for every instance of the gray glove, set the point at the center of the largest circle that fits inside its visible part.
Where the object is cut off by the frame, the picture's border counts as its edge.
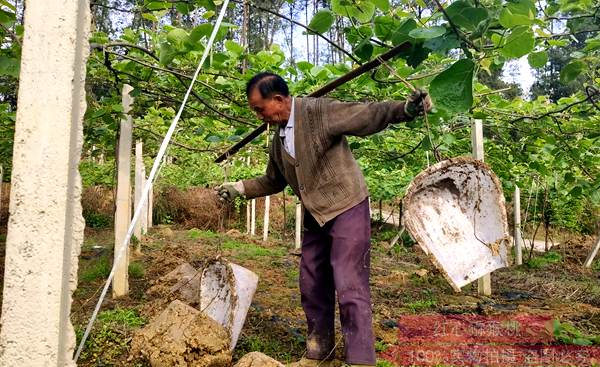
(417, 103)
(230, 190)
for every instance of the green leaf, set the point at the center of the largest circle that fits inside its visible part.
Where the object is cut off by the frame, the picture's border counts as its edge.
(427, 33)
(519, 43)
(360, 10)
(518, 13)
(150, 17)
(364, 49)
(234, 47)
(177, 36)
(9, 66)
(385, 26)
(465, 15)
(537, 59)
(166, 53)
(322, 21)
(383, 5)
(443, 44)
(401, 34)
(7, 19)
(452, 89)
(184, 8)
(571, 71)
(158, 5)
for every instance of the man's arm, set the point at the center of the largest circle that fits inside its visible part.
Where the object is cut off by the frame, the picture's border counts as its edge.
(270, 183)
(362, 119)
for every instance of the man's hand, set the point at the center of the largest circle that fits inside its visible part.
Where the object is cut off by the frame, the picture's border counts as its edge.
(417, 103)
(230, 190)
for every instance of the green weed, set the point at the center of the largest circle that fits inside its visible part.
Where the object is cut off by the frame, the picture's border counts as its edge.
(568, 334)
(122, 317)
(549, 257)
(97, 269)
(380, 346)
(421, 305)
(250, 250)
(136, 270)
(271, 347)
(195, 233)
(291, 276)
(97, 220)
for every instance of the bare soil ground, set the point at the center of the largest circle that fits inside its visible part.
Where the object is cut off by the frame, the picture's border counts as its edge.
(403, 282)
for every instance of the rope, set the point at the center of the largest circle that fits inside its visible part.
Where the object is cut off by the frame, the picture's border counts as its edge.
(146, 189)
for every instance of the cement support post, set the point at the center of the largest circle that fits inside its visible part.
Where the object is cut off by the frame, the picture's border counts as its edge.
(484, 284)
(266, 218)
(298, 225)
(150, 205)
(120, 283)
(592, 255)
(253, 219)
(45, 228)
(517, 231)
(144, 217)
(137, 229)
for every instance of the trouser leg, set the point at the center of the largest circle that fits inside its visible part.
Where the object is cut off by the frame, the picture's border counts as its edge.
(350, 260)
(317, 291)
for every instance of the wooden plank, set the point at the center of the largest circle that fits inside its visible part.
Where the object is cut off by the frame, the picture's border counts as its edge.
(517, 222)
(120, 283)
(590, 259)
(321, 92)
(484, 284)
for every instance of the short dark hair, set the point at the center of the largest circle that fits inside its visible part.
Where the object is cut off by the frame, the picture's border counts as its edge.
(267, 84)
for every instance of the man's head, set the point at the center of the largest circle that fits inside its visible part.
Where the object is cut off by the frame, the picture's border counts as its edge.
(269, 96)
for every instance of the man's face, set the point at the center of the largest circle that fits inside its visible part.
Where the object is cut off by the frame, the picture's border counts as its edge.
(273, 110)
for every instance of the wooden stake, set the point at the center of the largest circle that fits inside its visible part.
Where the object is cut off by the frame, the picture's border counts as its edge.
(1, 178)
(517, 231)
(120, 283)
(266, 218)
(298, 226)
(484, 284)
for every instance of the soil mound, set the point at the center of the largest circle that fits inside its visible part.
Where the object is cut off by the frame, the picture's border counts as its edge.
(183, 336)
(257, 359)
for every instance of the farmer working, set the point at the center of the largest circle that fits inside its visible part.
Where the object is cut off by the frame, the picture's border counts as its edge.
(310, 153)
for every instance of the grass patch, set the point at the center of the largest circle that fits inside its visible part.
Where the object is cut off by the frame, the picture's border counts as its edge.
(195, 233)
(291, 276)
(110, 339)
(271, 347)
(569, 334)
(250, 250)
(421, 305)
(136, 270)
(546, 259)
(97, 269)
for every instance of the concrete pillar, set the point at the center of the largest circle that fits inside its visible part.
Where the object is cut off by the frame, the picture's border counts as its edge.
(517, 231)
(266, 218)
(253, 219)
(139, 181)
(45, 229)
(120, 283)
(150, 205)
(298, 225)
(144, 218)
(484, 284)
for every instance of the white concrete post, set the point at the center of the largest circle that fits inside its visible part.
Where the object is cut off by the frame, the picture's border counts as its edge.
(150, 205)
(139, 181)
(592, 255)
(120, 283)
(266, 218)
(484, 284)
(45, 228)
(517, 232)
(144, 217)
(248, 218)
(253, 219)
(298, 225)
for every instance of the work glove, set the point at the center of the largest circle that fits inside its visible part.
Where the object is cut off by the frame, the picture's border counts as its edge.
(417, 103)
(230, 190)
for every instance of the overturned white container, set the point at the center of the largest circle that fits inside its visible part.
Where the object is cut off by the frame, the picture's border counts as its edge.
(226, 291)
(455, 211)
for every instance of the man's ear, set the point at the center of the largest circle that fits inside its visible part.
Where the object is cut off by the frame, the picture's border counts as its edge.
(278, 98)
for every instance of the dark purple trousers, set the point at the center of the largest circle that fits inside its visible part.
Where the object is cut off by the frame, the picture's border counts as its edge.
(336, 258)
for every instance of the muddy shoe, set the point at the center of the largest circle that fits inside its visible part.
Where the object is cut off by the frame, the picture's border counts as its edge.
(305, 362)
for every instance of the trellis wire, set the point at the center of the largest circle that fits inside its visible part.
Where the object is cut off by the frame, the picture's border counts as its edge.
(146, 189)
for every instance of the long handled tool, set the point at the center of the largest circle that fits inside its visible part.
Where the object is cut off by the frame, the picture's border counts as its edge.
(321, 92)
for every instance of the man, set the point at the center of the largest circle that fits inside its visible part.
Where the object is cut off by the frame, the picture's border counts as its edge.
(310, 153)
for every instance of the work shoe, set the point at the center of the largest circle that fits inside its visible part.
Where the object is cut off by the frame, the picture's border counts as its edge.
(306, 362)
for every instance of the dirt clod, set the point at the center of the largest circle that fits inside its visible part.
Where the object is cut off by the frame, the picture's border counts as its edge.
(183, 336)
(257, 359)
